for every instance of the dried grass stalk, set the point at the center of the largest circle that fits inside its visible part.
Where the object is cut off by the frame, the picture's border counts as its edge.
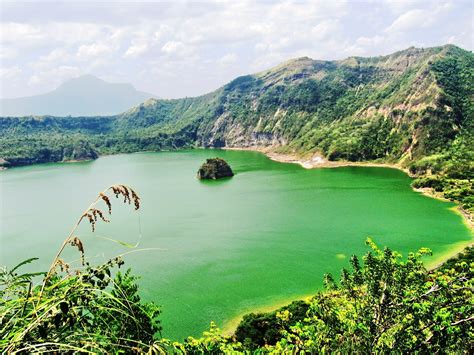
(93, 215)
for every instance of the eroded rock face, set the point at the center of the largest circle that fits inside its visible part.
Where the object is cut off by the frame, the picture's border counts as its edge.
(215, 168)
(81, 151)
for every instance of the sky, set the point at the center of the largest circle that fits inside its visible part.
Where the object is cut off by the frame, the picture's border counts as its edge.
(188, 48)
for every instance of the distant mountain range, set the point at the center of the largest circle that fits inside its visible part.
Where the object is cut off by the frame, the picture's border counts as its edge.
(83, 96)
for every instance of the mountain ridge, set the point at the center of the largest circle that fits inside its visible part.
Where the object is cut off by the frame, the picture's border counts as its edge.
(413, 108)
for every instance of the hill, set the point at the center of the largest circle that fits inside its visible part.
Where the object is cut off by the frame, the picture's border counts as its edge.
(83, 96)
(413, 108)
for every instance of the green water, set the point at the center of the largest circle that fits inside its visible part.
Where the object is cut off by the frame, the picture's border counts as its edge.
(212, 250)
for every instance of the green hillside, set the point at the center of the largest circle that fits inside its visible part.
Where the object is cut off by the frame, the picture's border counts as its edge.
(413, 108)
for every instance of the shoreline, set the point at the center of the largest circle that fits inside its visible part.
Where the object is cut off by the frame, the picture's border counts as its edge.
(316, 161)
(313, 161)
(70, 161)
(229, 327)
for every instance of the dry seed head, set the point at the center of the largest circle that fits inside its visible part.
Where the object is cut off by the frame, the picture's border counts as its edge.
(125, 193)
(136, 199)
(92, 214)
(63, 266)
(102, 217)
(116, 191)
(98, 213)
(106, 200)
(128, 195)
(92, 221)
(75, 241)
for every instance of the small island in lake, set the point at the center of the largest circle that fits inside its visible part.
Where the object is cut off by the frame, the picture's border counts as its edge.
(215, 168)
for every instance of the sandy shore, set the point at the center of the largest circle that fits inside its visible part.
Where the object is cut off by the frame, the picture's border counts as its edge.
(313, 161)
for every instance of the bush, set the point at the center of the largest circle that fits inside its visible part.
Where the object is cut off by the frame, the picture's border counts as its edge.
(82, 310)
(428, 182)
(259, 329)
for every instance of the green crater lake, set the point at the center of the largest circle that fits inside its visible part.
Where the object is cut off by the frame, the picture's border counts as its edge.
(212, 250)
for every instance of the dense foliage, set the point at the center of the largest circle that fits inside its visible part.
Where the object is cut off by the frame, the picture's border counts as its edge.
(89, 311)
(385, 304)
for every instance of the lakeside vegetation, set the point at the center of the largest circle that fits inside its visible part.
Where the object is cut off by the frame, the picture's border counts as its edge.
(413, 108)
(384, 302)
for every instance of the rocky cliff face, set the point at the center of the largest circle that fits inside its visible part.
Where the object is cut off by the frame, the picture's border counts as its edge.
(79, 151)
(392, 107)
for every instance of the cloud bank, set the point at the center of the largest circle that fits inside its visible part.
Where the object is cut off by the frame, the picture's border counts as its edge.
(177, 49)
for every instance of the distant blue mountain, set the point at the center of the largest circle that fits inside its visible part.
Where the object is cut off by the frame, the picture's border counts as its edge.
(83, 96)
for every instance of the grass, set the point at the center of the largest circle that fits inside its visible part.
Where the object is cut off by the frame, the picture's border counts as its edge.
(83, 309)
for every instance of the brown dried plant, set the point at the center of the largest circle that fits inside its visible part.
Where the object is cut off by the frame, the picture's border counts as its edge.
(93, 215)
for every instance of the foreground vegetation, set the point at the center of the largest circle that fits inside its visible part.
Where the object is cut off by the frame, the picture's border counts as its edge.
(383, 303)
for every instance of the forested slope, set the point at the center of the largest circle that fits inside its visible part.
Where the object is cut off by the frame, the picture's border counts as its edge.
(413, 108)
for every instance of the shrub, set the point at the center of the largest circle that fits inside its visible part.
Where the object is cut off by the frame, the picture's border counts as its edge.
(86, 309)
(429, 182)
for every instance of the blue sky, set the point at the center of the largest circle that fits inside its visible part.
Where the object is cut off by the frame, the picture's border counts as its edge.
(177, 48)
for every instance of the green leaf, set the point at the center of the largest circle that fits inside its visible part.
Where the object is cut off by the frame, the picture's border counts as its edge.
(24, 262)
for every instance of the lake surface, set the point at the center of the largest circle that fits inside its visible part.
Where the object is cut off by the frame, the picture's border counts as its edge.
(216, 249)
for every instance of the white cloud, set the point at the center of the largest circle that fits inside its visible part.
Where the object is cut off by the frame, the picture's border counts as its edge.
(136, 49)
(7, 52)
(227, 59)
(55, 55)
(93, 50)
(162, 32)
(70, 33)
(409, 20)
(11, 32)
(188, 48)
(420, 18)
(10, 73)
(177, 49)
(52, 78)
(140, 41)
(52, 59)
(400, 6)
(370, 41)
(325, 29)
